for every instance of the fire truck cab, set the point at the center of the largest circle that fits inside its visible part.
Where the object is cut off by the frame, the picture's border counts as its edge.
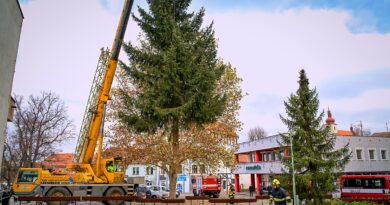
(209, 185)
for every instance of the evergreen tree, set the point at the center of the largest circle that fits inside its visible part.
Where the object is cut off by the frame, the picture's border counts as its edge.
(316, 162)
(175, 72)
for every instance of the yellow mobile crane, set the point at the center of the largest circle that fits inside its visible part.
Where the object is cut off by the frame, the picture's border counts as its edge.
(85, 178)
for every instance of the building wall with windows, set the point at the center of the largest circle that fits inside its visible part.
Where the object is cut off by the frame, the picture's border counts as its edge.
(153, 175)
(259, 160)
(369, 154)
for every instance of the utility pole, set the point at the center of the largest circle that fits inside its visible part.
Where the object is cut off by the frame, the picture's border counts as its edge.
(295, 197)
(387, 127)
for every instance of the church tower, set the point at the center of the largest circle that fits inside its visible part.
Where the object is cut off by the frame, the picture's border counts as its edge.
(331, 122)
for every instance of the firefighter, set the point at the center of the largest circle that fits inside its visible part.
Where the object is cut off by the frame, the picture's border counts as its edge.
(231, 194)
(278, 194)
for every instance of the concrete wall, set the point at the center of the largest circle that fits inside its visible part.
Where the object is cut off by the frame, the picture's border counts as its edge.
(11, 19)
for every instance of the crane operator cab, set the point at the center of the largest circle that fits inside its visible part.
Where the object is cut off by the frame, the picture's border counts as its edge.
(113, 169)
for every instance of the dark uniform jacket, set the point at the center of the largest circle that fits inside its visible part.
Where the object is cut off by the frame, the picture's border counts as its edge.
(279, 196)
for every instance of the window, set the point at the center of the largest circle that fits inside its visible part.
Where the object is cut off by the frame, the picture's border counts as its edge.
(384, 154)
(252, 157)
(365, 183)
(162, 172)
(264, 156)
(202, 169)
(149, 171)
(359, 154)
(273, 157)
(135, 170)
(281, 153)
(27, 176)
(194, 169)
(372, 154)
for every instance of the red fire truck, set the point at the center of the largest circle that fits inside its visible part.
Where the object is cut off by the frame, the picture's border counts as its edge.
(365, 186)
(209, 185)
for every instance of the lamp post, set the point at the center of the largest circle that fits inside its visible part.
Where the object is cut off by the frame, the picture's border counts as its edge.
(295, 197)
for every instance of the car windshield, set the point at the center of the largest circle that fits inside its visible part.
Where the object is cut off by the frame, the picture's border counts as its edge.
(142, 189)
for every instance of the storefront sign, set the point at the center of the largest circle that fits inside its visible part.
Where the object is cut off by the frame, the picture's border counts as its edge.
(181, 178)
(254, 167)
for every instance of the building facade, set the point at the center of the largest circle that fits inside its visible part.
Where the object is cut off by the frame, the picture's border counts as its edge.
(258, 160)
(11, 18)
(189, 170)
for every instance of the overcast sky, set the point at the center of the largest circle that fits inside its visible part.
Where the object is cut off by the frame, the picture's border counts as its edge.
(344, 47)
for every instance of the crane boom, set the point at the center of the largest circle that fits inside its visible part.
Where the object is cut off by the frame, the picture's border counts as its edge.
(86, 145)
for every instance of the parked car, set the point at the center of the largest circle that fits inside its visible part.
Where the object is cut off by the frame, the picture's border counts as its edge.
(158, 192)
(177, 192)
(143, 192)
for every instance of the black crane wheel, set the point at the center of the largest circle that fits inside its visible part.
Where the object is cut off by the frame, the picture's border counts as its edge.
(58, 192)
(114, 191)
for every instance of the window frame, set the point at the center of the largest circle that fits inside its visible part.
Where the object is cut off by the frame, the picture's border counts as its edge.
(369, 154)
(362, 153)
(135, 171)
(386, 154)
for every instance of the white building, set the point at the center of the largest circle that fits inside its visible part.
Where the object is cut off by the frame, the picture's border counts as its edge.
(257, 160)
(153, 175)
(11, 19)
(156, 176)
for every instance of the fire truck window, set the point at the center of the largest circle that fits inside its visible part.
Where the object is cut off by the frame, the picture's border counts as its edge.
(366, 183)
(378, 183)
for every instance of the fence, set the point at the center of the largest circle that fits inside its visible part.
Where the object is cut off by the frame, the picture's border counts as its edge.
(189, 200)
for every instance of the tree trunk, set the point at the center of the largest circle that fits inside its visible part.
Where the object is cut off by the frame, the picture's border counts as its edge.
(172, 183)
(174, 164)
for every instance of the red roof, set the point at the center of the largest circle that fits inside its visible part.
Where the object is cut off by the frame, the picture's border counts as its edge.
(344, 133)
(58, 161)
(381, 134)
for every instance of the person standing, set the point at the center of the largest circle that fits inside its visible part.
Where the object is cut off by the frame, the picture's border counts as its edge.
(251, 190)
(279, 195)
(231, 194)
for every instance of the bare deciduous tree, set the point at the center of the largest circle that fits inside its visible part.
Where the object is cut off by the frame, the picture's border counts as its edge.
(256, 133)
(39, 127)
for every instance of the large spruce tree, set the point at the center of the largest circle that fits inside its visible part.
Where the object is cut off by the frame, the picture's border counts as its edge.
(316, 162)
(175, 71)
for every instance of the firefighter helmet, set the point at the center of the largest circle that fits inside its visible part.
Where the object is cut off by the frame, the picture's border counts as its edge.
(275, 182)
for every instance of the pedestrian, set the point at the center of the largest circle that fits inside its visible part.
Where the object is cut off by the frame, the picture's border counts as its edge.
(269, 189)
(231, 194)
(278, 194)
(251, 190)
